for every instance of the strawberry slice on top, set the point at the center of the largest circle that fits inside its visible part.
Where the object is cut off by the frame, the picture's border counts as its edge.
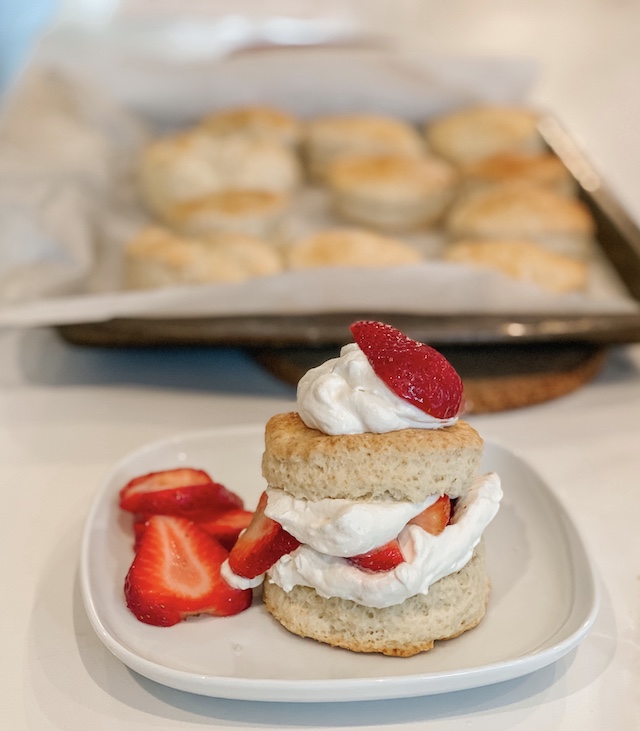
(176, 573)
(261, 544)
(414, 371)
(184, 491)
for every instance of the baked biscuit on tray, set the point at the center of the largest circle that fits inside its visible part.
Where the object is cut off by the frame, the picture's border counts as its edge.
(193, 164)
(254, 212)
(263, 121)
(476, 132)
(326, 139)
(543, 169)
(391, 192)
(524, 211)
(157, 257)
(523, 260)
(349, 247)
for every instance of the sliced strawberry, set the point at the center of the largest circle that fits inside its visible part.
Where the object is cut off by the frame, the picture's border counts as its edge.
(184, 491)
(140, 524)
(436, 517)
(383, 558)
(412, 370)
(176, 573)
(261, 545)
(227, 527)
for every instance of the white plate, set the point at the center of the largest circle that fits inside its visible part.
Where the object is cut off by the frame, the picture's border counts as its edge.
(543, 600)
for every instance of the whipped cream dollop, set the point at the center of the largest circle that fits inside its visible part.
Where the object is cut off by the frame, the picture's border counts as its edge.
(345, 396)
(428, 558)
(342, 527)
(239, 582)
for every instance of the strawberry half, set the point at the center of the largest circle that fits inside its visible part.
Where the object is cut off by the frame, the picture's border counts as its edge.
(227, 527)
(261, 545)
(186, 492)
(383, 558)
(436, 517)
(412, 370)
(176, 573)
(140, 524)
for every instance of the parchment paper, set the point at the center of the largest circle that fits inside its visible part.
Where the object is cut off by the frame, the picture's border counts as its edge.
(68, 141)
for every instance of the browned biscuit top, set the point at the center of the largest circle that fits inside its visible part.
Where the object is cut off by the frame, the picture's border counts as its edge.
(408, 464)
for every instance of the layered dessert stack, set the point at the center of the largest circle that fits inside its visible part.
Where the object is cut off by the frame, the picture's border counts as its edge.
(369, 535)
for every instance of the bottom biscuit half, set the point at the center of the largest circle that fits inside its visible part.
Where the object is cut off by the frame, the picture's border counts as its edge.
(453, 605)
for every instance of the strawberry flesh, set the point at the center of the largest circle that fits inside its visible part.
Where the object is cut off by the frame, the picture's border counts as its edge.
(227, 527)
(436, 517)
(414, 371)
(140, 524)
(383, 558)
(176, 573)
(185, 492)
(261, 544)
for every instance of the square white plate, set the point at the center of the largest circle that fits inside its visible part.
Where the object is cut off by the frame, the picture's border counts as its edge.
(543, 599)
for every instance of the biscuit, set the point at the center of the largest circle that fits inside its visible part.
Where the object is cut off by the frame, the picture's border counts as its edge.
(157, 257)
(523, 260)
(254, 212)
(543, 169)
(473, 133)
(452, 606)
(350, 247)
(192, 164)
(326, 139)
(409, 464)
(391, 192)
(524, 211)
(255, 121)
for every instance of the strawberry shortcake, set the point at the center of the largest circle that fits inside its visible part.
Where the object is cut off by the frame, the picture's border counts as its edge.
(369, 534)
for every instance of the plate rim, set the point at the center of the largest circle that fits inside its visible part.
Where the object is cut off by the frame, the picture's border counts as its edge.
(342, 689)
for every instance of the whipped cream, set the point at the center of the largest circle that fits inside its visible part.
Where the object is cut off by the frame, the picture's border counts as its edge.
(345, 396)
(342, 527)
(428, 558)
(239, 582)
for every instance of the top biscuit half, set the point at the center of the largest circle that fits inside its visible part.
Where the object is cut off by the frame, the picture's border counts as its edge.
(409, 464)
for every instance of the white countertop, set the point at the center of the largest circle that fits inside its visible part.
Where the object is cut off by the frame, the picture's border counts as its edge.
(69, 413)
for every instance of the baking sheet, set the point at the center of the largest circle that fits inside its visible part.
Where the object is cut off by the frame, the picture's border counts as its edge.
(62, 266)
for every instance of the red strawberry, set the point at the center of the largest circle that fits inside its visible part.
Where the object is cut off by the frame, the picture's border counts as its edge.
(227, 527)
(140, 524)
(184, 491)
(176, 573)
(261, 545)
(412, 370)
(383, 558)
(436, 517)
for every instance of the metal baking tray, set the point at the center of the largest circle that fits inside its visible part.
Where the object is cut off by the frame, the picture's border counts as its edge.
(617, 235)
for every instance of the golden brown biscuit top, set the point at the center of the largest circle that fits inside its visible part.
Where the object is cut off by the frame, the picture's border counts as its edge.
(254, 119)
(350, 247)
(480, 131)
(523, 260)
(545, 169)
(408, 464)
(230, 202)
(359, 128)
(390, 171)
(523, 207)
